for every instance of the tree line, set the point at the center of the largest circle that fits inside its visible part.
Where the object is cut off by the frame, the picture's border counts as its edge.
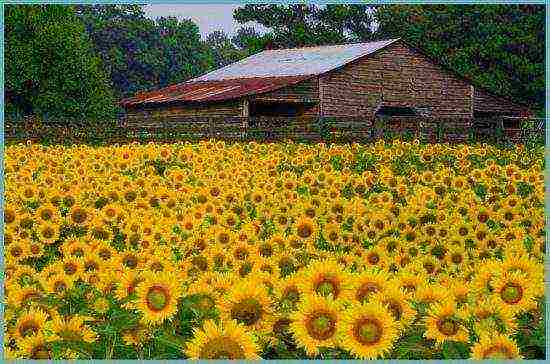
(78, 61)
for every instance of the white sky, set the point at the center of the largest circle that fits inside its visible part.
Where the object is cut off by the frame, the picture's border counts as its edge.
(209, 17)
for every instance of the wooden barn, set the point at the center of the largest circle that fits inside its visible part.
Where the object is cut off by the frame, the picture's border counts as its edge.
(383, 78)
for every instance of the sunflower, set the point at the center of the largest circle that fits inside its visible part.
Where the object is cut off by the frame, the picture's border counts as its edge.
(305, 227)
(47, 213)
(227, 340)
(36, 347)
(325, 277)
(249, 304)
(128, 281)
(410, 281)
(495, 346)
(136, 335)
(110, 212)
(491, 316)
(456, 257)
(288, 292)
(332, 233)
(375, 257)
(157, 297)
(429, 293)
(73, 267)
(57, 284)
(286, 262)
(444, 322)
(398, 303)
(315, 323)
(514, 291)
(368, 282)
(72, 329)
(79, 215)
(30, 323)
(367, 330)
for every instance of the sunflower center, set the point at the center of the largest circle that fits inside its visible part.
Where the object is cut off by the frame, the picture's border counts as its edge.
(321, 325)
(200, 262)
(247, 311)
(511, 293)
(91, 266)
(130, 261)
(448, 326)
(327, 286)
(395, 309)
(497, 352)
(79, 216)
(365, 289)
(367, 331)
(60, 286)
(223, 238)
(291, 294)
(28, 328)
(456, 258)
(40, 352)
(157, 267)
(373, 258)
(281, 326)
(9, 216)
(482, 217)
(157, 298)
(70, 268)
(304, 230)
(266, 250)
(222, 347)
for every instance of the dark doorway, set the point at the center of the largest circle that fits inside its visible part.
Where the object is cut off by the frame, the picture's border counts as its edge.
(395, 111)
(275, 109)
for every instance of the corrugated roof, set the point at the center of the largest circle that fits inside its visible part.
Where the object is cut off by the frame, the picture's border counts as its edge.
(201, 91)
(262, 72)
(295, 62)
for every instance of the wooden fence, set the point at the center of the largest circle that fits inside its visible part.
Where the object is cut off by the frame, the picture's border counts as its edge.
(313, 129)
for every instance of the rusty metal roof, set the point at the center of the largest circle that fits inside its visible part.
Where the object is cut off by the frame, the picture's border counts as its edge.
(262, 72)
(202, 91)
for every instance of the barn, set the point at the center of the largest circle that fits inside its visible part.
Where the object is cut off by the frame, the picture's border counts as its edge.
(383, 78)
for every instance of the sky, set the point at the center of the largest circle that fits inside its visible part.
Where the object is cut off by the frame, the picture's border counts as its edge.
(209, 17)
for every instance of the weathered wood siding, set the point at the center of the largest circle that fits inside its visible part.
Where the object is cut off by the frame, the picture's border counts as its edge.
(226, 108)
(307, 90)
(485, 102)
(395, 76)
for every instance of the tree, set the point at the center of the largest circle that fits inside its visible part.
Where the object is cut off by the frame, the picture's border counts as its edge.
(223, 50)
(500, 47)
(141, 53)
(51, 70)
(301, 25)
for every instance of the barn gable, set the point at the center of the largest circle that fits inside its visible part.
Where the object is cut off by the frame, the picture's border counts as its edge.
(398, 77)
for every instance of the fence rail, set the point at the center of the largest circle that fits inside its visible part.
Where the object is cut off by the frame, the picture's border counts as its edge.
(316, 129)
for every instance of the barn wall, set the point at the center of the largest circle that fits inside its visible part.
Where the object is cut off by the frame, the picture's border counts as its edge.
(227, 108)
(485, 102)
(397, 76)
(305, 90)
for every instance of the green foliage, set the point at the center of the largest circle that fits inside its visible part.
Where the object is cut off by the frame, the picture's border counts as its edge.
(299, 25)
(51, 70)
(497, 46)
(140, 53)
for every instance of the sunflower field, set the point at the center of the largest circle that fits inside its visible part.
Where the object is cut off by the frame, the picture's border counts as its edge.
(277, 251)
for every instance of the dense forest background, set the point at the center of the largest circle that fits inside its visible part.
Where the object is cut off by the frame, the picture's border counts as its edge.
(78, 61)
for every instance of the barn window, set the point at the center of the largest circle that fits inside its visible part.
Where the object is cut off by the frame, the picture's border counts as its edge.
(395, 111)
